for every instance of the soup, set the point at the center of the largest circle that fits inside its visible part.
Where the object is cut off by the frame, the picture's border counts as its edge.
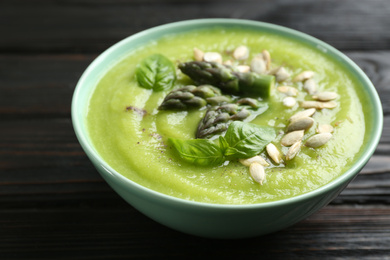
(132, 133)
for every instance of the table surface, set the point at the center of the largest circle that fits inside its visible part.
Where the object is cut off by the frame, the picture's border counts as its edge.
(54, 204)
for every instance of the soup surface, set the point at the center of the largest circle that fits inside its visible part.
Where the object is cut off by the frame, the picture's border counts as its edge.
(131, 133)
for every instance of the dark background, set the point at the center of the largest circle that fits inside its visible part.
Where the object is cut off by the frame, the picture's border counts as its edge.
(54, 205)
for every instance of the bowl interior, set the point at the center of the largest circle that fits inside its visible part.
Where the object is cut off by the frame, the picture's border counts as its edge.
(90, 78)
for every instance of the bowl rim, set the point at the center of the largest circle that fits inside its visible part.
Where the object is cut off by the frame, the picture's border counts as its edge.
(348, 175)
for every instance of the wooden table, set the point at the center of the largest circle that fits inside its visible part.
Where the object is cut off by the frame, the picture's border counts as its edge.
(54, 204)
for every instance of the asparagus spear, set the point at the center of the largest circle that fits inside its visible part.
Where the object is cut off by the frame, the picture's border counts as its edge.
(222, 109)
(227, 79)
(191, 96)
(218, 118)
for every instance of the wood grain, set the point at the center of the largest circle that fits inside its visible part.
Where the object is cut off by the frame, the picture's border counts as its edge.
(55, 205)
(39, 85)
(108, 233)
(90, 25)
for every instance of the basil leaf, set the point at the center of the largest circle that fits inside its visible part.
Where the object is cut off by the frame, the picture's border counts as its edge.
(156, 72)
(247, 140)
(223, 144)
(198, 151)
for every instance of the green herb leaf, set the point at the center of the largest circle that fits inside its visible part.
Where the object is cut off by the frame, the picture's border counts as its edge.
(242, 140)
(247, 140)
(156, 72)
(223, 144)
(198, 151)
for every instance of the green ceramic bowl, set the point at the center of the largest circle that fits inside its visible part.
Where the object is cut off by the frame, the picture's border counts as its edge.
(215, 220)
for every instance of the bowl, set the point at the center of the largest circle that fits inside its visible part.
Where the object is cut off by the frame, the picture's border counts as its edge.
(218, 220)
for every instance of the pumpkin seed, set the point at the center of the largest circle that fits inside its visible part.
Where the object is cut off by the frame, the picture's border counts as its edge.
(228, 63)
(257, 159)
(280, 73)
(243, 68)
(329, 104)
(318, 140)
(302, 123)
(289, 101)
(324, 128)
(274, 153)
(258, 64)
(212, 57)
(257, 172)
(267, 58)
(310, 86)
(289, 91)
(292, 137)
(325, 96)
(198, 54)
(304, 75)
(305, 113)
(318, 104)
(241, 53)
(293, 151)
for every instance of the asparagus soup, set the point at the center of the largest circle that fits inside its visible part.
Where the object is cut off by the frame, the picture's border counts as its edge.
(228, 116)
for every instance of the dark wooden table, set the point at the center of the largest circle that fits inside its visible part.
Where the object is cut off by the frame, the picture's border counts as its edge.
(54, 205)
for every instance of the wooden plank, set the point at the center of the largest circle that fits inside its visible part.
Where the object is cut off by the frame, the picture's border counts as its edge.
(344, 231)
(39, 85)
(52, 160)
(90, 26)
(376, 64)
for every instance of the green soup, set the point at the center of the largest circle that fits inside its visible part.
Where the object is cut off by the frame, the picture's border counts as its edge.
(131, 134)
